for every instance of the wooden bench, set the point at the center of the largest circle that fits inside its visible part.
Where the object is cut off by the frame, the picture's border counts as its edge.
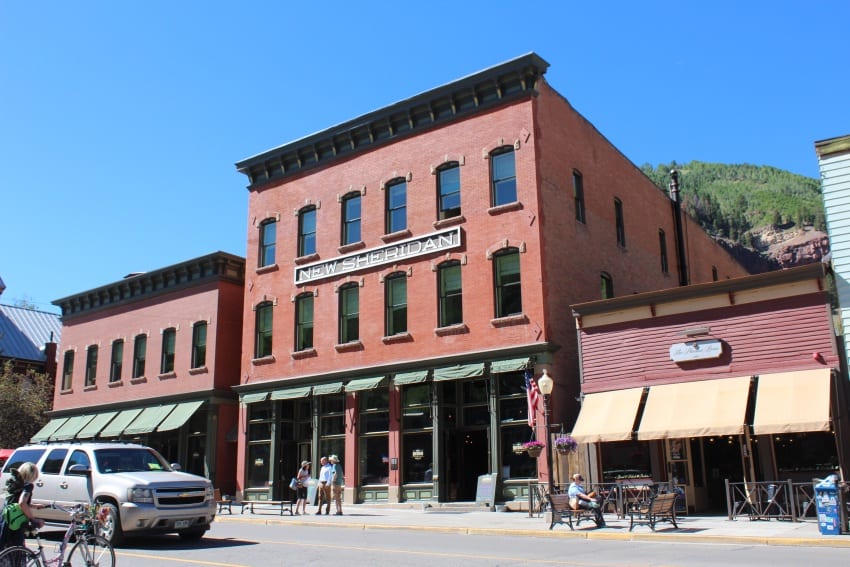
(260, 505)
(661, 508)
(559, 504)
(224, 504)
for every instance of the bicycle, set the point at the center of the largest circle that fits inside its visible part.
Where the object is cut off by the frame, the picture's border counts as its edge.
(89, 550)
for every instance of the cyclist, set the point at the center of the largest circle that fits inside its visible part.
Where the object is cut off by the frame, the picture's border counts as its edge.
(19, 507)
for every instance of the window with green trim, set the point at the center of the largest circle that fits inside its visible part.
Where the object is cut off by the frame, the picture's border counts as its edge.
(503, 176)
(450, 294)
(140, 347)
(307, 231)
(116, 364)
(448, 190)
(506, 277)
(395, 286)
(91, 365)
(304, 322)
(169, 340)
(349, 313)
(263, 329)
(199, 344)
(351, 219)
(68, 370)
(268, 241)
(396, 195)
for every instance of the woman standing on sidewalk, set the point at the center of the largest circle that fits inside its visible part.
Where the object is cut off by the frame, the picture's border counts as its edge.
(301, 480)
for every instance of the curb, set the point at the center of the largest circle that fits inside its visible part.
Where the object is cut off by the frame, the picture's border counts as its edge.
(560, 534)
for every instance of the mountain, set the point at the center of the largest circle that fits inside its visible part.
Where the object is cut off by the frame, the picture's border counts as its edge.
(767, 217)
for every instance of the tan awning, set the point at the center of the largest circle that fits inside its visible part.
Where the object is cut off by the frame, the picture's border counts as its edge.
(792, 402)
(607, 416)
(695, 409)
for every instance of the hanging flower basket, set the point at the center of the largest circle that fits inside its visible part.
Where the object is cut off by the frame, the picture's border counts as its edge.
(566, 445)
(534, 448)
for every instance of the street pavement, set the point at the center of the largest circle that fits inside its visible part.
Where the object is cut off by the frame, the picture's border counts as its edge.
(482, 521)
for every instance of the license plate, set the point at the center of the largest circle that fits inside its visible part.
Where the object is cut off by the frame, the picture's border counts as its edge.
(180, 524)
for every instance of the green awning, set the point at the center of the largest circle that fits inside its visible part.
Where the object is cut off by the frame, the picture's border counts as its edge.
(365, 384)
(254, 397)
(148, 419)
(291, 393)
(414, 377)
(49, 429)
(122, 420)
(510, 365)
(97, 423)
(324, 389)
(180, 415)
(71, 427)
(459, 371)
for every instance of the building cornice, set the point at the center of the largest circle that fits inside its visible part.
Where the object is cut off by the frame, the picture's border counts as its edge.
(498, 85)
(138, 287)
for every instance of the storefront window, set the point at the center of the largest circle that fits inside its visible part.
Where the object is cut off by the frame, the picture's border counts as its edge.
(803, 456)
(259, 445)
(417, 457)
(625, 460)
(418, 462)
(331, 427)
(513, 420)
(374, 442)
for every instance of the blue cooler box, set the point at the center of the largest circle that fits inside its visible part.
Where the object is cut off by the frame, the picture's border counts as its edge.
(827, 502)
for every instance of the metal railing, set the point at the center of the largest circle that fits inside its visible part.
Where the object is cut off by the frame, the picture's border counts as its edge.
(614, 497)
(765, 500)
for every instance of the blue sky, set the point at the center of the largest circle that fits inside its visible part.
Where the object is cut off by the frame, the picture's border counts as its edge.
(121, 121)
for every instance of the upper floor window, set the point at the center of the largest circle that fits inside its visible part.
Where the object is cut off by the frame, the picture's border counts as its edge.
(268, 239)
(91, 365)
(140, 347)
(67, 370)
(349, 313)
(199, 344)
(116, 365)
(169, 340)
(662, 251)
(506, 279)
(351, 219)
(396, 195)
(396, 303)
(714, 276)
(450, 294)
(503, 176)
(578, 196)
(618, 219)
(263, 330)
(448, 189)
(304, 322)
(607, 285)
(307, 231)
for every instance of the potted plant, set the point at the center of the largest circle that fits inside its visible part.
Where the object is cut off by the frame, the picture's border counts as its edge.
(534, 448)
(565, 445)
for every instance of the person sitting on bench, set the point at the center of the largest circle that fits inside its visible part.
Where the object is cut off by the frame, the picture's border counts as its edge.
(579, 498)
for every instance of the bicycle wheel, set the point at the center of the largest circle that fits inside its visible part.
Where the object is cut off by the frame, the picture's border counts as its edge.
(93, 551)
(19, 557)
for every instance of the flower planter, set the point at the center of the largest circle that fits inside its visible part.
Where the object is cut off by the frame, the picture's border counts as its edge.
(534, 452)
(562, 450)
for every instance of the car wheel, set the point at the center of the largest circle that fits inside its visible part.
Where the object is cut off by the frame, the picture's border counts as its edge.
(110, 524)
(193, 534)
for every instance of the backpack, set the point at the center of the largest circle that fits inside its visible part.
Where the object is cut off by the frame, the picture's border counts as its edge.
(14, 517)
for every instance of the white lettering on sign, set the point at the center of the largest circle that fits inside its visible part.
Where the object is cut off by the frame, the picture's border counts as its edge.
(696, 350)
(410, 248)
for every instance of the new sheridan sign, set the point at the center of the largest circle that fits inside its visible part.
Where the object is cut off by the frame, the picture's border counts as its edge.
(405, 249)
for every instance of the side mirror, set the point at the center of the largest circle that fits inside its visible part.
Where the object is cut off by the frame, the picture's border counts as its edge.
(175, 466)
(79, 470)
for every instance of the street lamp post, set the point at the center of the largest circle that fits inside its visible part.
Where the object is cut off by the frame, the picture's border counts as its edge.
(545, 383)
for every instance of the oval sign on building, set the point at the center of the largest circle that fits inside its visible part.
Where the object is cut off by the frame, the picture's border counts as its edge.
(696, 350)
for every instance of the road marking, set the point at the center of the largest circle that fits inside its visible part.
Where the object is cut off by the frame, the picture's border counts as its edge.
(175, 560)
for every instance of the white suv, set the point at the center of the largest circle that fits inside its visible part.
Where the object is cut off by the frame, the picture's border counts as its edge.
(139, 491)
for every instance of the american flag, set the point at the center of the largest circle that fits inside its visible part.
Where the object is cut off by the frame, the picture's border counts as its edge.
(533, 393)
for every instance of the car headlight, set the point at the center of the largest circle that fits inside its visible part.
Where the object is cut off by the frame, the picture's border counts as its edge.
(143, 495)
(210, 493)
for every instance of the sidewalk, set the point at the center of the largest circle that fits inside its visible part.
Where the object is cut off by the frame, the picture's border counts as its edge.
(699, 529)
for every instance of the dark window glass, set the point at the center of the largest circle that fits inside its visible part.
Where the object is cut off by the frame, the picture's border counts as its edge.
(351, 219)
(307, 232)
(91, 365)
(506, 278)
(607, 285)
(503, 176)
(621, 227)
(140, 347)
(349, 313)
(513, 419)
(714, 276)
(662, 250)
(396, 206)
(448, 187)
(264, 329)
(68, 370)
(117, 360)
(374, 460)
(199, 344)
(268, 238)
(396, 301)
(578, 196)
(304, 322)
(169, 338)
(450, 294)
(418, 463)
(53, 462)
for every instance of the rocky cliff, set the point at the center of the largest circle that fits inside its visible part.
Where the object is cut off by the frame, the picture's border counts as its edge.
(775, 248)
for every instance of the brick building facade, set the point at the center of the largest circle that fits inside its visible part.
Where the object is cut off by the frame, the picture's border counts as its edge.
(406, 269)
